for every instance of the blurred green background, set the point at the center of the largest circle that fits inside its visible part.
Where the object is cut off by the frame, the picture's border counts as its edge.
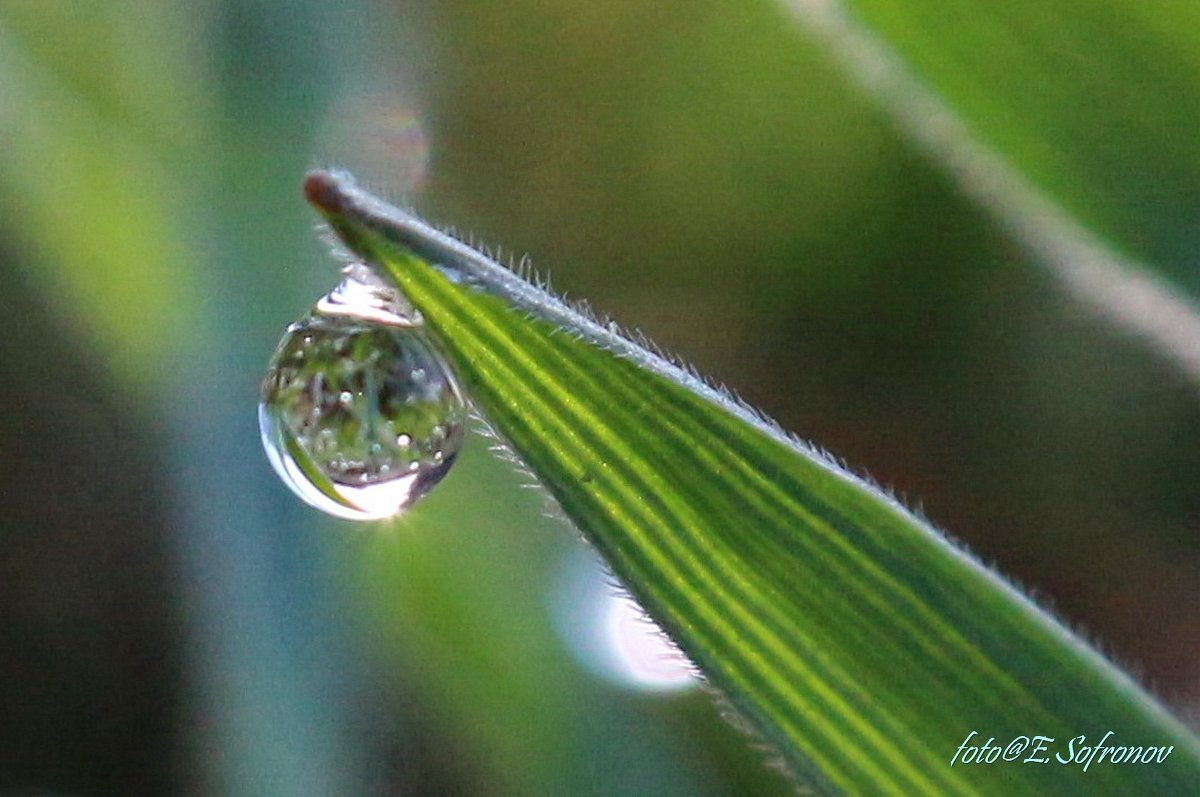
(172, 620)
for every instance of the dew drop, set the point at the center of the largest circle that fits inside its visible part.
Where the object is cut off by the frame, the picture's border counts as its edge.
(342, 380)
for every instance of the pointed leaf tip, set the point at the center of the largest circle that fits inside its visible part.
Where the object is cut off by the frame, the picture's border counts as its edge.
(323, 190)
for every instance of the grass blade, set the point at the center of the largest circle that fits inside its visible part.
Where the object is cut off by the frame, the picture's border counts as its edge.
(856, 640)
(1042, 113)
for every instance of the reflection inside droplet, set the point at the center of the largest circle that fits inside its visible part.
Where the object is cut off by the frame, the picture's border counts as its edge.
(339, 386)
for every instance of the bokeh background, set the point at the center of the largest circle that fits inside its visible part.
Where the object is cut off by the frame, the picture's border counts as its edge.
(173, 621)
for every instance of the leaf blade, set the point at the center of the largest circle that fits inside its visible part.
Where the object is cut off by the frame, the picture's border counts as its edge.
(1089, 101)
(859, 642)
(1068, 150)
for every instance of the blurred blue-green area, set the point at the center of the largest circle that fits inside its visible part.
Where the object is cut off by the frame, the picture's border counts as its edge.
(173, 621)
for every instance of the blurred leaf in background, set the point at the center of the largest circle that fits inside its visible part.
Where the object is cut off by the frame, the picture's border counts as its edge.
(171, 619)
(1092, 103)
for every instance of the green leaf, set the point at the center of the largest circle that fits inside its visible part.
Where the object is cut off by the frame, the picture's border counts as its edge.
(1093, 102)
(1072, 122)
(91, 144)
(856, 640)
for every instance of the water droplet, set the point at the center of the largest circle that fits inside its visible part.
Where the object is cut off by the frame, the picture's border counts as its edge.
(341, 382)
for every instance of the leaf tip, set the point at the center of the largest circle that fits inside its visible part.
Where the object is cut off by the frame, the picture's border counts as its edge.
(325, 190)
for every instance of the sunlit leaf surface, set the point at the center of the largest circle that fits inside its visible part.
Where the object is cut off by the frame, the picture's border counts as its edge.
(856, 640)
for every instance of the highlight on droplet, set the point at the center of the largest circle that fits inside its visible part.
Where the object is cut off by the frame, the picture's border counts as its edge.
(609, 634)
